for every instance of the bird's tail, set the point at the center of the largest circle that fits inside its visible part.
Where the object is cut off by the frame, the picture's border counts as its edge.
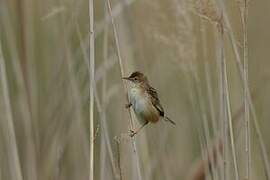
(169, 120)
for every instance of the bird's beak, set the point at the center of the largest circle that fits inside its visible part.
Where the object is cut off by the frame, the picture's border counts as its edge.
(127, 78)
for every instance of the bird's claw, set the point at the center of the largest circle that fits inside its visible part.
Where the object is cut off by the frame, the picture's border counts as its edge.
(132, 133)
(128, 105)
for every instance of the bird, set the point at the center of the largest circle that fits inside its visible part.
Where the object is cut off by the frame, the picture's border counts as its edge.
(144, 100)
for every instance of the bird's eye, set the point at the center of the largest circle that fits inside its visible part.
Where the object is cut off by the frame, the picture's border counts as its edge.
(135, 79)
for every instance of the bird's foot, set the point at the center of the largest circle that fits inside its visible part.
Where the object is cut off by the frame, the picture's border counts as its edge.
(132, 133)
(128, 105)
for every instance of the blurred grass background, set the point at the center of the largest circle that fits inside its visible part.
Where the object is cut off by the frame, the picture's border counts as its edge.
(44, 90)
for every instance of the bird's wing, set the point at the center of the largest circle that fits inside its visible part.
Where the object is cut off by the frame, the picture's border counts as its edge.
(155, 100)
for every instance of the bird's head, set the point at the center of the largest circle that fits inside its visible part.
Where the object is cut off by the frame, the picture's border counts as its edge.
(137, 78)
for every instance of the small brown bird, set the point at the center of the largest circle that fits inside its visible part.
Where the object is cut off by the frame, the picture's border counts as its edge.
(144, 100)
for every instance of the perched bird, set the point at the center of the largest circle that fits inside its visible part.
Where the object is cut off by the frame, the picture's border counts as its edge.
(144, 100)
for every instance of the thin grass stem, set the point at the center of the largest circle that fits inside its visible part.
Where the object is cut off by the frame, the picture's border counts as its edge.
(245, 71)
(131, 123)
(92, 79)
(251, 105)
(230, 123)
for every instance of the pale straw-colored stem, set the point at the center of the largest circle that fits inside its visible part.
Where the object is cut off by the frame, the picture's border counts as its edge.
(91, 79)
(136, 157)
(250, 103)
(230, 123)
(246, 112)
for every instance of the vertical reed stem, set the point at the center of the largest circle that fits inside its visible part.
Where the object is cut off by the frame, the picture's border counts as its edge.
(247, 119)
(91, 79)
(230, 124)
(136, 157)
(250, 103)
(222, 98)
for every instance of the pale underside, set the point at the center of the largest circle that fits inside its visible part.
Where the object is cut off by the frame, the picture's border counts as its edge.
(142, 106)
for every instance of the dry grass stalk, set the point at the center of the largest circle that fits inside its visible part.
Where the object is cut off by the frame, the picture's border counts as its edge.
(222, 97)
(209, 12)
(210, 96)
(200, 170)
(227, 104)
(234, 44)
(118, 146)
(92, 82)
(244, 18)
(136, 157)
(100, 106)
(231, 125)
(116, 11)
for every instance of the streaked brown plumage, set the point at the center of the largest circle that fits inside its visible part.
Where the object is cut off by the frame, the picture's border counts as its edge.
(144, 100)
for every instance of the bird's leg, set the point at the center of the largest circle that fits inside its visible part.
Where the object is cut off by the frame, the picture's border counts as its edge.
(128, 105)
(134, 132)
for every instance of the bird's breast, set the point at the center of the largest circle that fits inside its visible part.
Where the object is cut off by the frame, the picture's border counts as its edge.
(142, 105)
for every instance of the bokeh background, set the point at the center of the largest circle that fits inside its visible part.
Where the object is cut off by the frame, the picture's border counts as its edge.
(192, 52)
